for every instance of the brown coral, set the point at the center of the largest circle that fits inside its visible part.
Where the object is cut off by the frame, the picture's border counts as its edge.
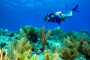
(68, 53)
(29, 32)
(23, 49)
(86, 49)
(70, 49)
(71, 43)
(43, 37)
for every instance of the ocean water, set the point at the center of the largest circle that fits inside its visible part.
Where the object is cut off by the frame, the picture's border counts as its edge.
(14, 13)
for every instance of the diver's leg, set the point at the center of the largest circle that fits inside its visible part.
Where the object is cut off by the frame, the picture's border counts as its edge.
(69, 14)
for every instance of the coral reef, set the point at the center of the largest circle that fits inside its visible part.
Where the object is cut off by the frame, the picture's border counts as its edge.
(49, 56)
(34, 57)
(3, 32)
(22, 50)
(62, 35)
(3, 55)
(67, 53)
(10, 34)
(74, 45)
(69, 49)
(53, 48)
(29, 32)
(86, 49)
(4, 41)
(31, 43)
(58, 34)
(85, 31)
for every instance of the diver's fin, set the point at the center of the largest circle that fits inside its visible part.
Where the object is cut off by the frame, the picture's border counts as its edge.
(75, 8)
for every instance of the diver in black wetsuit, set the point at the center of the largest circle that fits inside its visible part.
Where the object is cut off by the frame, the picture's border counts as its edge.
(58, 16)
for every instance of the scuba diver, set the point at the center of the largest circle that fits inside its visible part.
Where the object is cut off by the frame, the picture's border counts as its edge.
(58, 16)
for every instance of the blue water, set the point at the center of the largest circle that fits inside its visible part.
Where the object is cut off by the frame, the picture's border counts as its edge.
(14, 13)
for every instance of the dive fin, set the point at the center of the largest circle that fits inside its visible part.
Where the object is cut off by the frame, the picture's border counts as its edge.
(75, 9)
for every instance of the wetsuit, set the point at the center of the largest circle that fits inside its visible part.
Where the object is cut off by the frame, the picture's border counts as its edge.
(56, 19)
